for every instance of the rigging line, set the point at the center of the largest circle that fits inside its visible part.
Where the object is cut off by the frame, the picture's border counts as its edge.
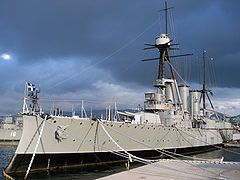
(172, 28)
(107, 57)
(80, 100)
(159, 22)
(209, 74)
(200, 70)
(234, 152)
(84, 138)
(213, 72)
(189, 71)
(129, 154)
(177, 73)
(95, 136)
(184, 137)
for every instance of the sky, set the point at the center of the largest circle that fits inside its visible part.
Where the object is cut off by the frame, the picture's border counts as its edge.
(92, 50)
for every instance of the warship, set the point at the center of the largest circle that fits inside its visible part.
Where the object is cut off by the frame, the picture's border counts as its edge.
(10, 131)
(175, 119)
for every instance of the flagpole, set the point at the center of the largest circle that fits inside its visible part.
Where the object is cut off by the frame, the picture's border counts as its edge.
(24, 107)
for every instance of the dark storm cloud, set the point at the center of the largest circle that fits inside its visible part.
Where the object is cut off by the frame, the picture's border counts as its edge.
(38, 29)
(210, 25)
(38, 32)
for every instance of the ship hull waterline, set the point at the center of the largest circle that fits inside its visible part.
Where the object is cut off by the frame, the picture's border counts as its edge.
(46, 163)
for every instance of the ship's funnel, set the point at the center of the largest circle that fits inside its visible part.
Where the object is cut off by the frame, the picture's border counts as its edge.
(169, 92)
(195, 103)
(184, 93)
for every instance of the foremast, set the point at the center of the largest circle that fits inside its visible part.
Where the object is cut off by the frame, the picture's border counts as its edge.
(170, 101)
(167, 95)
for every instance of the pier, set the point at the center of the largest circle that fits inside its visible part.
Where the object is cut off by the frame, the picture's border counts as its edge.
(181, 169)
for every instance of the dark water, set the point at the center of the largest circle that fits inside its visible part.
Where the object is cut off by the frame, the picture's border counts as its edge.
(5, 155)
(7, 152)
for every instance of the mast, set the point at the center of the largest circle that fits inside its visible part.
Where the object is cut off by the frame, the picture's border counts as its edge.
(164, 46)
(166, 16)
(204, 91)
(166, 19)
(204, 82)
(25, 107)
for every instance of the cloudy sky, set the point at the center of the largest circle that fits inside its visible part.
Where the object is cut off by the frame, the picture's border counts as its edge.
(92, 50)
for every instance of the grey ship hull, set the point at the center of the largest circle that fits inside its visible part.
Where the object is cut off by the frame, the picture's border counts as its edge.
(10, 137)
(83, 143)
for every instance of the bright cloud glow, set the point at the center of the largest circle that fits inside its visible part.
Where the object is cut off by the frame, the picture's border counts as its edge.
(5, 56)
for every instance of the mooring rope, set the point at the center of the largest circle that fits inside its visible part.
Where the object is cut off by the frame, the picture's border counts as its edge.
(130, 156)
(35, 150)
(8, 177)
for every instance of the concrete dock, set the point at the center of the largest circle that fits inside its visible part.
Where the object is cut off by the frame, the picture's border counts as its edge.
(181, 169)
(237, 145)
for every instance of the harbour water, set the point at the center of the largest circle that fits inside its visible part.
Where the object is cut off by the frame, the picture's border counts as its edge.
(229, 154)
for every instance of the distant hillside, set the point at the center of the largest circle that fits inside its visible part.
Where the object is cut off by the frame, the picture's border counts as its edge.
(235, 119)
